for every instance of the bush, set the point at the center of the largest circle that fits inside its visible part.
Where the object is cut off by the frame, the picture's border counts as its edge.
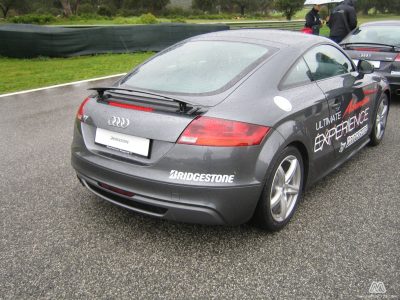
(126, 12)
(104, 11)
(212, 17)
(148, 19)
(175, 12)
(32, 19)
(178, 20)
(48, 11)
(87, 17)
(86, 8)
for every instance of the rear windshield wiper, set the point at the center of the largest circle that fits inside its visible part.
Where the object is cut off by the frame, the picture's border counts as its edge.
(182, 103)
(394, 48)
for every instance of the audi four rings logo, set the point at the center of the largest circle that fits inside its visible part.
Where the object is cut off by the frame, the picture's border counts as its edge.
(118, 122)
(365, 55)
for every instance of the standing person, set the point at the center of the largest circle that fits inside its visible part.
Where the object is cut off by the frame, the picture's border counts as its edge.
(313, 20)
(342, 20)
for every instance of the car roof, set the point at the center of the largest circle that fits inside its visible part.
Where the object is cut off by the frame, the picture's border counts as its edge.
(269, 37)
(382, 23)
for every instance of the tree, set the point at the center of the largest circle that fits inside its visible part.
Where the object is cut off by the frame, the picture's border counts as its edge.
(204, 5)
(365, 5)
(383, 6)
(6, 5)
(289, 7)
(156, 5)
(264, 5)
(226, 5)
(387, 6)
(149, 5)
(117, 3)
(70, 7)
(244, 4)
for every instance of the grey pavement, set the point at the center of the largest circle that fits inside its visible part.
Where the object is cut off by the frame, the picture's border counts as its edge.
(59, 241)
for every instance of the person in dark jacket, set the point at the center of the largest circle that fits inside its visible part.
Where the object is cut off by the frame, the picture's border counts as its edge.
(342, 20)
(313, 20)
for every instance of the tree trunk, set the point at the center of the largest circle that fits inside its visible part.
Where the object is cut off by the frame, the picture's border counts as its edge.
(242, 7)
(4, 9)
(75, 7)
(289, 15)
(66, 5)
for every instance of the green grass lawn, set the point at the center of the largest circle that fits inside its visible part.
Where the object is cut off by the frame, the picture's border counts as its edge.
(24, 74)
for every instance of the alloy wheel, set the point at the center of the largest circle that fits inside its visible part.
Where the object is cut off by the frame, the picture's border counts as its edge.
(285, 188)
(381, 119)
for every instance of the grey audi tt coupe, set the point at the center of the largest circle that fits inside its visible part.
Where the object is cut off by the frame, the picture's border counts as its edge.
(227, 127)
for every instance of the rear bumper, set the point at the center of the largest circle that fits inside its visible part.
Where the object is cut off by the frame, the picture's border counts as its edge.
(231, 205)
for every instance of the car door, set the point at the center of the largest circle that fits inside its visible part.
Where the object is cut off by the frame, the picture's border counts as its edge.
(348, 96)
(312, 107)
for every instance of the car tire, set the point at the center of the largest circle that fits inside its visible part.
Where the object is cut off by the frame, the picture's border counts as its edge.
(380, 120)
(283, 188)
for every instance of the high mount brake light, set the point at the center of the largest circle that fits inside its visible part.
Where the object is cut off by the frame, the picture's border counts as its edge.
(79, 114)
(130, 106)
(368, 49)
(206, 131)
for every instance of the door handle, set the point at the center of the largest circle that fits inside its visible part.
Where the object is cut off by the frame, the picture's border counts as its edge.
(335, 104)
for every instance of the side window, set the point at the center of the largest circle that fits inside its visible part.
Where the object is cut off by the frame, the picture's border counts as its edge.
(297, 75)
(326, 61)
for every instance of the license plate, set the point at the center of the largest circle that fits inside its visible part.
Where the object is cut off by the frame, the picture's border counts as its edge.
(375, 63)
(124, 142)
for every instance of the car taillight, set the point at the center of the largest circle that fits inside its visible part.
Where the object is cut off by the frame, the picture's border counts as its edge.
(79, 114)
(206, 131)
(397, 58)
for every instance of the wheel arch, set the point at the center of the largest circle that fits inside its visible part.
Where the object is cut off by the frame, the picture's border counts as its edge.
(305, 156)
(389, 95)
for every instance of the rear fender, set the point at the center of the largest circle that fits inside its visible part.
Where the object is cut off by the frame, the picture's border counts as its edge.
(280, 138)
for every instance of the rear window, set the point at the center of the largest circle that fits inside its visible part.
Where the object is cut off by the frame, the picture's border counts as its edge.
(198, 67)
(389, 35)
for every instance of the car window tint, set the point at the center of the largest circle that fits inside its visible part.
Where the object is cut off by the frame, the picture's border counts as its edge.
(326, 61)
(297, 75)
(198, 67)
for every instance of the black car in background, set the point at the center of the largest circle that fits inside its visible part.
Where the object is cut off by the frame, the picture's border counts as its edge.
(379, 43)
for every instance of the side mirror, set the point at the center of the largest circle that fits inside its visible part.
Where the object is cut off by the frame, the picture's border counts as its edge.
(364, 67)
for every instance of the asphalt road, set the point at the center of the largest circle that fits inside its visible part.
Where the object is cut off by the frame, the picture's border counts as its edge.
(60, 241)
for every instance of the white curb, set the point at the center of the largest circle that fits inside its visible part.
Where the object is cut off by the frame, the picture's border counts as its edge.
(60, 85)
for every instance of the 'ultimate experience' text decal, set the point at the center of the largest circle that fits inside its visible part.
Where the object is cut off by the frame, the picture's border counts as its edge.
(343, 128)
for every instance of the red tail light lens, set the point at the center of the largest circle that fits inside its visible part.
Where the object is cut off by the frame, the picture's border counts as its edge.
(130, 106)
(397, 58)
(205, 131)
(79, 114)
(367, 49)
